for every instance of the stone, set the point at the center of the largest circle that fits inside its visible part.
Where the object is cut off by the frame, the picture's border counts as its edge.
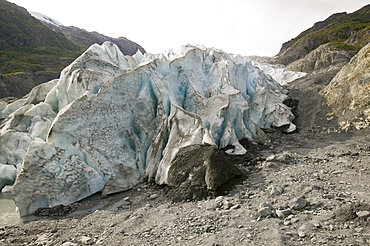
(363, 214)
(69, 244)
(294, 220)
(86, 240)
(318, 225)
(210, 205)
(275, 190)
(283, 213)
(280, 214)
(43, 240)
(204, 168)
(337, 172)
(359, 229)
(127, 199)
(298, 203)
(266, 205)
(301, 234)
(264, 212)
(154, 196)
(237, 206)
(270, 158)
(227, 205)
(219, 199)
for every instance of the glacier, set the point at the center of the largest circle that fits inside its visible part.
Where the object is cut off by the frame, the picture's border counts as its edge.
(278, 72)
(111, 121)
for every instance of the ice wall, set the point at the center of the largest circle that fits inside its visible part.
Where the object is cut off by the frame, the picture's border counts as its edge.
(112, 120)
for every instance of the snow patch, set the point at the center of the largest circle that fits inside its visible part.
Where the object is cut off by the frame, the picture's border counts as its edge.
(279, 73)
(46, 19)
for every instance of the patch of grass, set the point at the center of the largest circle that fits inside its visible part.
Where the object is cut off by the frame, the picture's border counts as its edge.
(335, 33)
(343, 46)
(12, 62)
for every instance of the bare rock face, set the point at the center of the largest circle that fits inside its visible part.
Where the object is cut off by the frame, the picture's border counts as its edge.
(324, 58)
(360, 38)
(350, 88)
(198, 170)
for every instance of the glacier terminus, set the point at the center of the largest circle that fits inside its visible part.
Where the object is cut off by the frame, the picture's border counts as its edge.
(111, 121)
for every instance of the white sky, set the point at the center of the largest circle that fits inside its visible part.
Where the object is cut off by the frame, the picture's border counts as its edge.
(247, 27)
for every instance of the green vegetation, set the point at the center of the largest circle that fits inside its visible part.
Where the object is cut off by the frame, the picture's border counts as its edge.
(337, 33)
(26, 45)
(340, 44)
(33, 59)
(342, 31)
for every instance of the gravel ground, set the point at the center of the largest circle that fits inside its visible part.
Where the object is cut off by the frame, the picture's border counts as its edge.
(306, 188)
(302, 190)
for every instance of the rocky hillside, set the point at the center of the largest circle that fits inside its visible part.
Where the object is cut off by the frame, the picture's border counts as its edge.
(32, 53)
(324, 58)
(349, 91)
(342, 34)
(335, 54)
(82, 37)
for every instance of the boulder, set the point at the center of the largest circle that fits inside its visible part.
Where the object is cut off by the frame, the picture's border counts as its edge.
(198, 171)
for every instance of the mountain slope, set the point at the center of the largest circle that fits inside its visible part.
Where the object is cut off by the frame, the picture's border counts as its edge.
(324, 58)
(348, 32)
(336, 90)
(19, 29)
(86, 39)
(29, 47)
(32, 53)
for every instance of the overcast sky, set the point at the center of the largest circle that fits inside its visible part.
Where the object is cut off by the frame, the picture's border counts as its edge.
(247, 27)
